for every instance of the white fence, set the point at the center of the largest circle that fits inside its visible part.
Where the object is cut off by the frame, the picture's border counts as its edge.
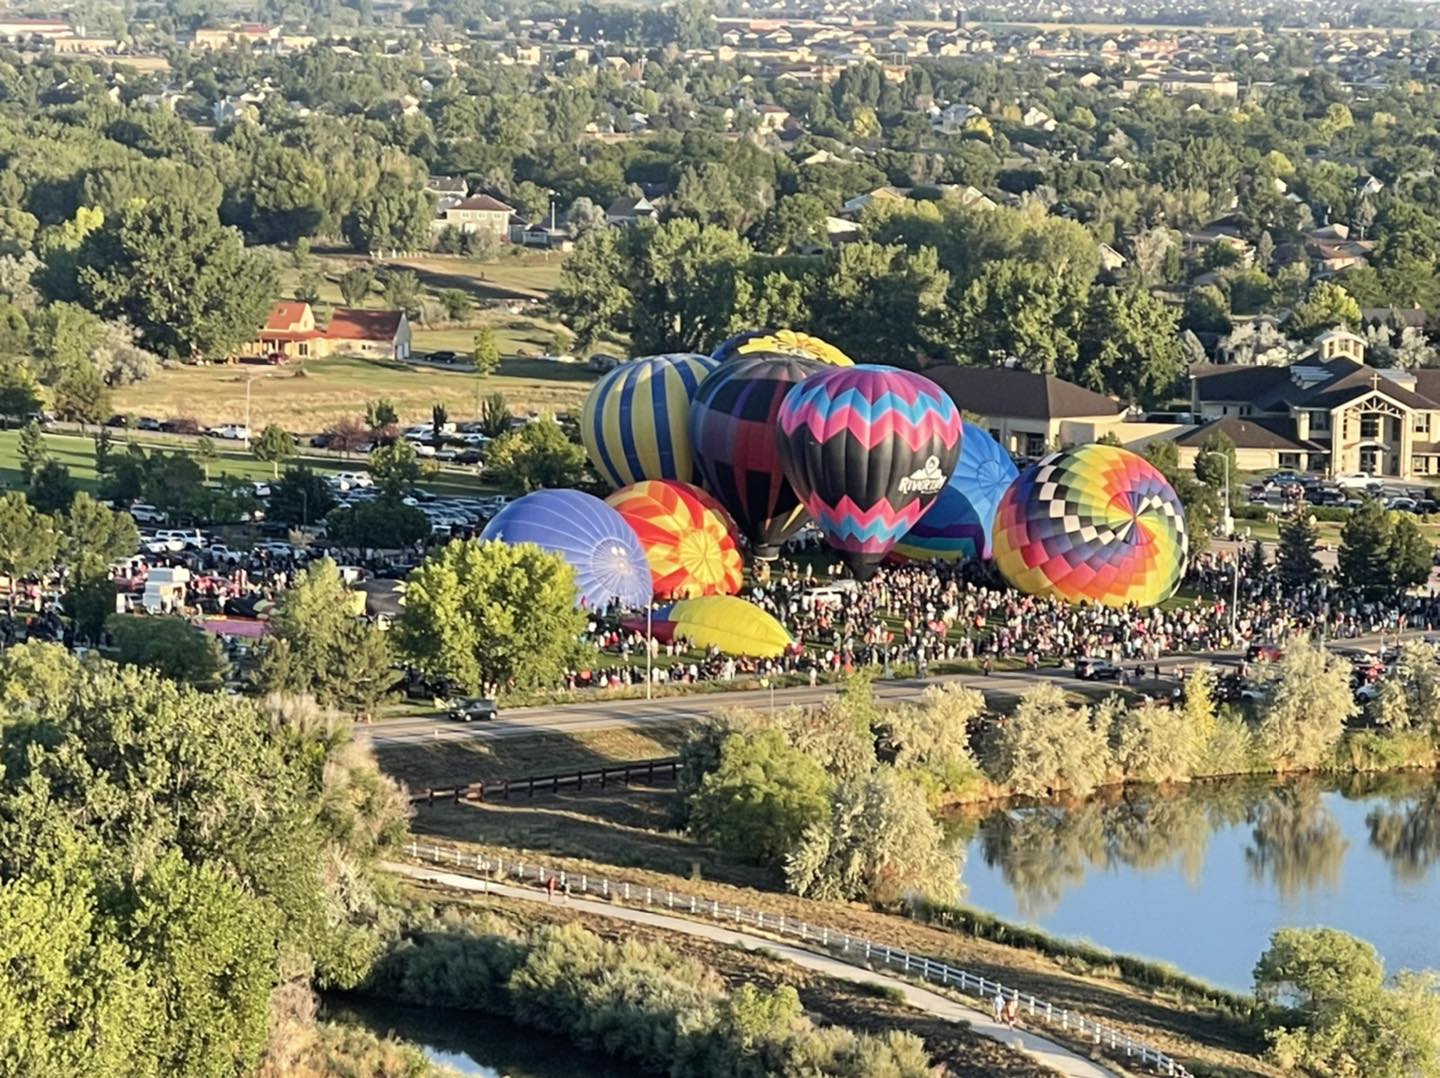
(859, 950)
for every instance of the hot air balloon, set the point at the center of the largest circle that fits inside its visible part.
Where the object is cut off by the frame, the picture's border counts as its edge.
(732, 427)
(781, 342)
(635, 420)
(608, 560)
(688, 538)
(958, 525)
(1096, 523)
(868, 448)
(732, 625)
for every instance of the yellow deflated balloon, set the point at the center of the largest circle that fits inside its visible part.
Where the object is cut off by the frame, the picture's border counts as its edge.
(724, 622)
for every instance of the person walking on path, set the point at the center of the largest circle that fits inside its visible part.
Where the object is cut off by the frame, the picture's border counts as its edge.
(998, 1004)
(550, 889)
(1008, 1013)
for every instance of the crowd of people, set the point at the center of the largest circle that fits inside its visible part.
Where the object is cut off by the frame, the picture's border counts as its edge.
(921, 616)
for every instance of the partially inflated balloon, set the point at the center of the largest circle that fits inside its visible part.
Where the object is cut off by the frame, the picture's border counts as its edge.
(868, 449)
(959, 524)
(688, 538)
(781, 342)
(608, 561)
(731, 625)
(1096, 523)
(635, 420)
(732, 427)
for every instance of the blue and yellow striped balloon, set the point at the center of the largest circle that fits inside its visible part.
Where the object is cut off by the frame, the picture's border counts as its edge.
(635, 424)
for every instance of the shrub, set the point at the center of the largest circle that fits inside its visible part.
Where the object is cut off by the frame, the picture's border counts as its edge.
(1046, 746)
(1307, 704)
(760, 798)
(1155, 743)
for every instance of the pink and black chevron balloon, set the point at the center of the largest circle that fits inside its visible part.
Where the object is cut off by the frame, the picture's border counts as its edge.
(868, 449)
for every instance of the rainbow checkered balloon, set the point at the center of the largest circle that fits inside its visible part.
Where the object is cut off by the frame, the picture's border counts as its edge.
(688, 538)
(1095, 524)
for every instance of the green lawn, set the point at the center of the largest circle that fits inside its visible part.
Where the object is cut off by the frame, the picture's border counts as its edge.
(77, 453)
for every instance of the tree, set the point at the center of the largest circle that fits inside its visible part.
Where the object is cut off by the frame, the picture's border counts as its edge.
(877, 843)
(760, 799)
(299, 497)
(1307, 703)
(1362, 563)
(384, 523)
(1047, 746)
(536, 456)
(1326, 305)
(1207, 310)
(1296, 562)
(1042, 314)
(355, 285)
(1409, 556)
(381, 413)
(51, 488)
(32, 450)
(206, 455)
(81, 396)
(796, 221)
(274, 446)
(439, 417)
(92, 537)
(1128, 346)
(394, 216)
(1215, 462)
(494, 415)
(492, 614)
(20, 393)
(1155, 743)
(584, 217)
(104, 445)
(28, 541)
(402, 291)
(457, 303)
(395, 467)
(318, 646)
(486, 353)
(186, 283)
(169, 645)
(593, 296)
(1333, 1012)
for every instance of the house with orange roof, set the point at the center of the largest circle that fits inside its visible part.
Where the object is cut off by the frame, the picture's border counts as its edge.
(291, 332)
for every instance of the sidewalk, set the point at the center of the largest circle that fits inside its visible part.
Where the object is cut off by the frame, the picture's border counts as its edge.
(1043, 1051)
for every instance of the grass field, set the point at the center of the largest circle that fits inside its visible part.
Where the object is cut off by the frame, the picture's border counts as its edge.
(309, 397)
(77, 452)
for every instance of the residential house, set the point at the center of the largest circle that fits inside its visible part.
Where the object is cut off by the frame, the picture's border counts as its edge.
(1332, 256)
(29, 29)
(291, 332)
(1029, 414)
(629, 211)
(773, 118)
(1216, 85)
(1038, 119)
(446, 190)
(853, 207)
(1329, 413)
(477, 214)
(952, 118)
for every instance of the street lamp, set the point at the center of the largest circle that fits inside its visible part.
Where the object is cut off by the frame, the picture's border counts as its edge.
(649, 648)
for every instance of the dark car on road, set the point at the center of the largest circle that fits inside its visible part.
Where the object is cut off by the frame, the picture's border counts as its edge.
(443, 357)
(472, 709)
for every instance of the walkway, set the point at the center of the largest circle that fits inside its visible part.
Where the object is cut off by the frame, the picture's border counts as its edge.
(1046, 1052)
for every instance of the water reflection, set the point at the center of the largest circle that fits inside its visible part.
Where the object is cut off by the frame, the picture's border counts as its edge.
(1296, 844)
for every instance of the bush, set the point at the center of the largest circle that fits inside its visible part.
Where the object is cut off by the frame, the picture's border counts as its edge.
(1046, 747)
(1308, 701)
(760, 798)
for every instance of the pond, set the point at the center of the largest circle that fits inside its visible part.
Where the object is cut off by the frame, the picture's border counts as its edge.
(1201, 879)
(474, 1044)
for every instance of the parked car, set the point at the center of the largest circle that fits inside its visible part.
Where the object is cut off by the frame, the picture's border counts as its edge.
(188, 538)
(1092, 669)
(1285, 479)
(1269, 653)
(234, 432)
(1403, 505)
(144, 513)
(146, 422)
(350, 480)
(474, 708)
(443, 356)
(1359, 481)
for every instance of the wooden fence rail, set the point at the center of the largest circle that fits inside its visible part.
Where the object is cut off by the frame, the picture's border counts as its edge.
(664, 768)
(1076, 1025)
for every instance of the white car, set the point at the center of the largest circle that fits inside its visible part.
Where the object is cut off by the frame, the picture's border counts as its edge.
(186, 538)
(143, 513)
(219, 552)
(423, 449)
(350, 480)
(1358, 481)
(234, 432)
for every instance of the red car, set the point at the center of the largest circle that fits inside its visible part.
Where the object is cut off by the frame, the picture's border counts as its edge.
(1269, 653)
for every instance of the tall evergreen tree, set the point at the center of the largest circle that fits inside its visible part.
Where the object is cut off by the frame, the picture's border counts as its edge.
(1295, 561)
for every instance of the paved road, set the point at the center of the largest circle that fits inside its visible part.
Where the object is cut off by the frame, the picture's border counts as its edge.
(599, 715)
(1046, 1052)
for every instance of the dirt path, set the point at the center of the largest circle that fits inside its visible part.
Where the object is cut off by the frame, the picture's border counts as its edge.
(1060, 1059)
